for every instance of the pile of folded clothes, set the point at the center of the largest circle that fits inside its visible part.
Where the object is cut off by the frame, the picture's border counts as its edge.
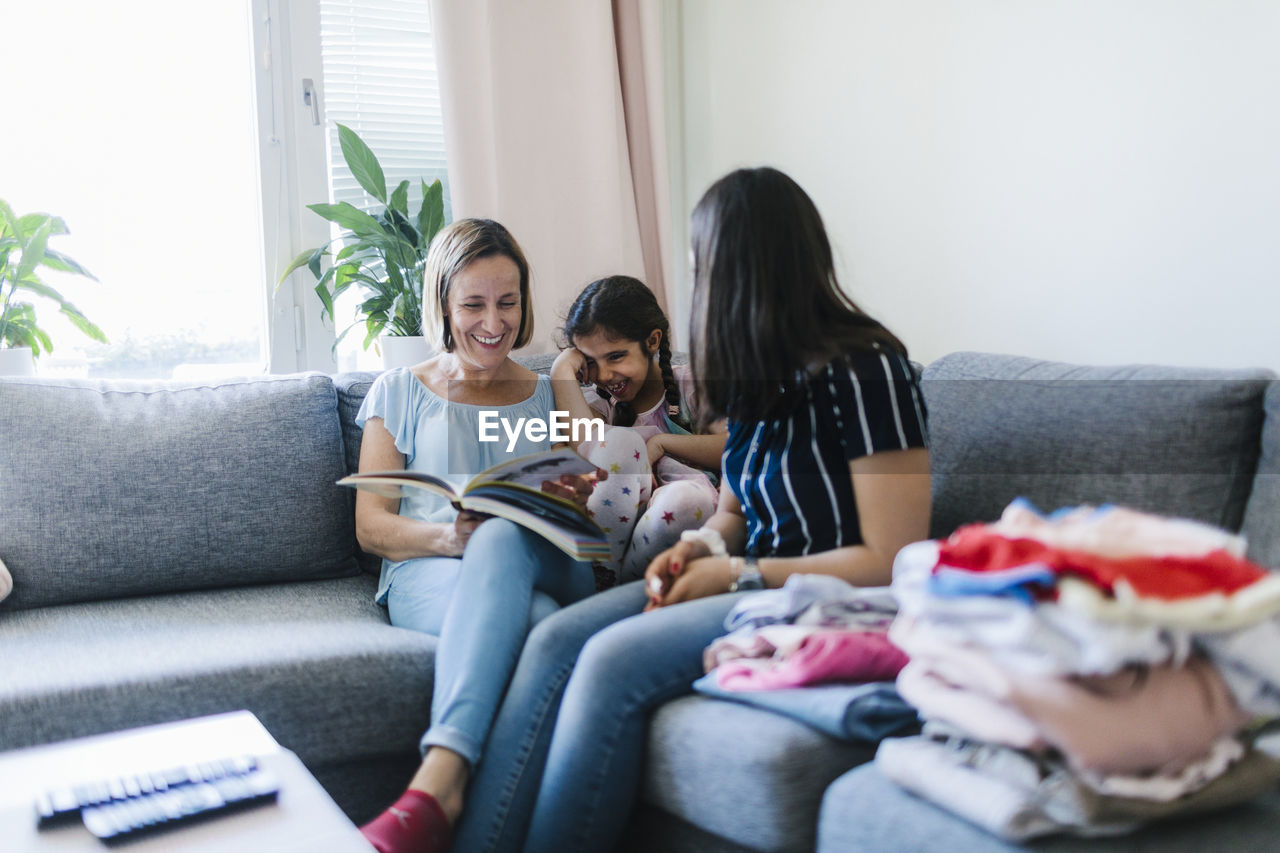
(1086, 672)
(816, 650)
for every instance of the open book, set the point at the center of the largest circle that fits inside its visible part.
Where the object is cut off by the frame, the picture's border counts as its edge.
(511, 490)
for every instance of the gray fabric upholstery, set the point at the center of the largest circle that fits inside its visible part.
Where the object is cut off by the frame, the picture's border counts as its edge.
(1262, 516)
(863, 811)
(364, 788)
(652, 829)
(749, 776)
(316, 661)
(118, 488)
(352, 388)
(1176, 441)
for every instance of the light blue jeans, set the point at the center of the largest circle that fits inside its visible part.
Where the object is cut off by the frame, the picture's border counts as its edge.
(482, 607)
(506, 782)
(580, 796)
(592, 774)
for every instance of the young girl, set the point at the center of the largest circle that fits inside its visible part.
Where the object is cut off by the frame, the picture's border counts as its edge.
(619, 347)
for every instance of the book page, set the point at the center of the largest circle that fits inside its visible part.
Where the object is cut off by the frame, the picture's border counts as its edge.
(392, 484)
(530, 471)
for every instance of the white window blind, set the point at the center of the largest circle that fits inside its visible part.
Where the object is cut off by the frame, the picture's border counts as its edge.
(380, 80)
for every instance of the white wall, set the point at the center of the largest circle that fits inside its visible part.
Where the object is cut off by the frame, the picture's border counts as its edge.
(1088, 180)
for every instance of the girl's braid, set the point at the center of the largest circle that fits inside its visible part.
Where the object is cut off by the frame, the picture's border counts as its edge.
(669, 383)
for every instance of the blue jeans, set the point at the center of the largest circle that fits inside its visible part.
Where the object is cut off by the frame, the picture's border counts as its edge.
(506, 782)
(592, 773)
(482, 607)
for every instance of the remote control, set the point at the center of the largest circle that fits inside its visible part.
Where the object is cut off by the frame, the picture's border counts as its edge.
(64, 805)
(145, 814)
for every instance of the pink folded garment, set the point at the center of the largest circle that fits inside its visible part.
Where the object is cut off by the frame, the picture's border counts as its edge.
(980, 716)
(1152, 720)
(823, 657)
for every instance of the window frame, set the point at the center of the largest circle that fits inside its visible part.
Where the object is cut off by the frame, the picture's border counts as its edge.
(292, 173)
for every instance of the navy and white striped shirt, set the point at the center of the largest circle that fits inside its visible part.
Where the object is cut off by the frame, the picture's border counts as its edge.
(791, 474)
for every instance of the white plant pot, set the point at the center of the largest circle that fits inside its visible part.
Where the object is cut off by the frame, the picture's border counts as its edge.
(404, 351)
(17, 361)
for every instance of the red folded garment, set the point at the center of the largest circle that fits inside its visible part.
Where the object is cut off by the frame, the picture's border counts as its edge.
(972, 548)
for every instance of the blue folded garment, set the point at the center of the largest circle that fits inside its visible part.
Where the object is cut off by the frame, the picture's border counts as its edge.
(1020, 583)
(862, 712)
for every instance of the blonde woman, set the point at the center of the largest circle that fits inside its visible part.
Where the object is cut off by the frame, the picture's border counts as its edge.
(478, 584)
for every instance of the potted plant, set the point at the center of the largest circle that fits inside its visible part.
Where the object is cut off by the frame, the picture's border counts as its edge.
(382, 251)
(24, 248)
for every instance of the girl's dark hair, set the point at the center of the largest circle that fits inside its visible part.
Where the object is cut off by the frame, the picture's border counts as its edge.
(624, 308)
(766, 304)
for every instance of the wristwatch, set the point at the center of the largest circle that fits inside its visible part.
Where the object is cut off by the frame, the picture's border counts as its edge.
(746, 574)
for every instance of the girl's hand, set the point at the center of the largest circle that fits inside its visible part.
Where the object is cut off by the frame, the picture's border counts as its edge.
(463, 526)
(701, 578)
(663, 571)
(655, 448)
(572, 364)
(574, 488)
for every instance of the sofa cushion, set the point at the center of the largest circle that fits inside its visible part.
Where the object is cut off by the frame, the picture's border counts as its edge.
(1181, 442)
(862, 810)
(316, 661)
(352, 388)
(1262, 515)
(124, 488)
(743, 774)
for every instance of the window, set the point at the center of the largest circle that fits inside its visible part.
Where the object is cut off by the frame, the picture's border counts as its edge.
(133, 121)
(375, 65)
(174, 141)
(380, 81)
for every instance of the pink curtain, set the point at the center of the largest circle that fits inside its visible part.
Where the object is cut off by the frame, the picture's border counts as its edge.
(554, 127)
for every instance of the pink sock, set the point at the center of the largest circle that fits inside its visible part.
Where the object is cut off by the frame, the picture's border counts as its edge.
(415, 823)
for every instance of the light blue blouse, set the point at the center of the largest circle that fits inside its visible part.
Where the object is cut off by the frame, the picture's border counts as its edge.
(443, 438)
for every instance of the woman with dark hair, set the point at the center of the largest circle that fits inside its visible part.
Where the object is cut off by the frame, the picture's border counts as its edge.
(663, 475)
(826, 471)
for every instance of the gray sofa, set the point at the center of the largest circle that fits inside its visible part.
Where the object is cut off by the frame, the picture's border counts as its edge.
(180, 550)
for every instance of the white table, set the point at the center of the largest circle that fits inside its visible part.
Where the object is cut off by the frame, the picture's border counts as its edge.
(303, 819)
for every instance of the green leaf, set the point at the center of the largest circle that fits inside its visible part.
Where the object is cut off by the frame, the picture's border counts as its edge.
(345, 274)
(325, 300)
(8, 222)
(431, 216)
(405, 229)
(327, 277)
(29, 223)
(35, 285)
(349, 216)
(33, 251)
(362, 163)
(375, 327)
(58, 261)
(82, 323)
(400, 198)
(349, 250)
(43, 337)
(300, 261)
(313, 262)
(377, 304)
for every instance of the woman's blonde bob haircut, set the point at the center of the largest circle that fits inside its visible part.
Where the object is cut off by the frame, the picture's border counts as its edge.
(453, 248)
